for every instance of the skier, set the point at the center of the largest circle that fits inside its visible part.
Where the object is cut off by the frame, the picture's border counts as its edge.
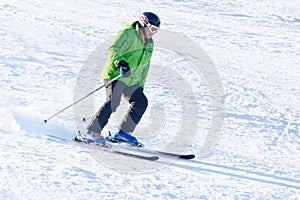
(129, 55)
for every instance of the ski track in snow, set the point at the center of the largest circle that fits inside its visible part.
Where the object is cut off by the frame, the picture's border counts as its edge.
(255, 47)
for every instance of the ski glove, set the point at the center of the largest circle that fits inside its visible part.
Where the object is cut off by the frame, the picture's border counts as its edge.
(124, 68)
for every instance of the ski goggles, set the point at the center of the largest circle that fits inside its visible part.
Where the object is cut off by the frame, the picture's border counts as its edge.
(152, 28)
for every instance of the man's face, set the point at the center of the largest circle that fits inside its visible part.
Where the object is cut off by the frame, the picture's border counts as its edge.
(148, 33)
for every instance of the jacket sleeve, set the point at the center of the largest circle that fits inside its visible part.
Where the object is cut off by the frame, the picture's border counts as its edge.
(119, 46)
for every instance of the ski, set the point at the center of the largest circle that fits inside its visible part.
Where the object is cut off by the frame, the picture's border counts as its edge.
(108, 148)
(111, 149)
(181, 156)
(150, 158)
(150, 151)
(131, 147)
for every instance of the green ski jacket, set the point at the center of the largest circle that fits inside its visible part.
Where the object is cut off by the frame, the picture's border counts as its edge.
(129, 45)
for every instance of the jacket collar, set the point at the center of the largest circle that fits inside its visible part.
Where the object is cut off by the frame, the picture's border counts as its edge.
(143, 35)
(140, 31)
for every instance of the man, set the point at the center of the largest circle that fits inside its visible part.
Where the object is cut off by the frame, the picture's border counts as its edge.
(129, 55)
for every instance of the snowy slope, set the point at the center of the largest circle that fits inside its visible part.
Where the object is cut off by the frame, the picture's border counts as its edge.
(46, 47)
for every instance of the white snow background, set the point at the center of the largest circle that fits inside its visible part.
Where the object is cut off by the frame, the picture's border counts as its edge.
(255, 45)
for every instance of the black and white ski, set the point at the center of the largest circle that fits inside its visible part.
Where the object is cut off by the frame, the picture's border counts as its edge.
(150, 158)
(182, 156)
(119, 149)
(150, 151)
(108, 148)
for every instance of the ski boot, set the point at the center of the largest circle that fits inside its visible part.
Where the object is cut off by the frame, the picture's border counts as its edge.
(96, 138)
(124, 137)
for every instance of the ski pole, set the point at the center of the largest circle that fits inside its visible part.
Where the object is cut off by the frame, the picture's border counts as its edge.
(92, 92)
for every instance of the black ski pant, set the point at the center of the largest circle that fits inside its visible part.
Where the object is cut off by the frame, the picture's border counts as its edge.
(138, 105)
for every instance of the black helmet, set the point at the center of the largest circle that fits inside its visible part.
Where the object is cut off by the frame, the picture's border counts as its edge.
(151, 18)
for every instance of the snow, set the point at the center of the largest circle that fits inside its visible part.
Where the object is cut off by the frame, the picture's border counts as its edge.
(240, 97)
